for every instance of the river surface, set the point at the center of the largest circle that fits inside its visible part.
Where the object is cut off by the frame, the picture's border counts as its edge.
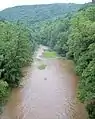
(46, 94)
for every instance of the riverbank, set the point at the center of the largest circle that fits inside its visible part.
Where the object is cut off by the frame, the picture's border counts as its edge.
(49, 93)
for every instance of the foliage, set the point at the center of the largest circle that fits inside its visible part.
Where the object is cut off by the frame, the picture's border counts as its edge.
(34, 14)
(54, 25)
(55, 35)
(16, 50)
(81, 45)
(3, 90)
(74, 37)
(91, 109)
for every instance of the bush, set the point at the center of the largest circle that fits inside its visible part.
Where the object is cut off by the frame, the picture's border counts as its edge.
(91, 109)
(3, 91)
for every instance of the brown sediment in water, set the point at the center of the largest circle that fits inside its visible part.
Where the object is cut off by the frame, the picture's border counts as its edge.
(54, 98)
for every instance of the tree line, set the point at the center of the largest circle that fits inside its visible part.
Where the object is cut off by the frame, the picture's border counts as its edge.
(34, 14)
(16, 51)
(74, 38)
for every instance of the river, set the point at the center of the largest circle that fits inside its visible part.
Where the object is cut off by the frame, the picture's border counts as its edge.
(46, 94)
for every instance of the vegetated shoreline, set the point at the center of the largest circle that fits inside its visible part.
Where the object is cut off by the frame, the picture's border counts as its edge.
(16, 51)
(46, 80)
(71, 37)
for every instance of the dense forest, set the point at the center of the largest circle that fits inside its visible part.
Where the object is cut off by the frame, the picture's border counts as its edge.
(74, 38)
(69, 32)
(16, 51)
(33, 14)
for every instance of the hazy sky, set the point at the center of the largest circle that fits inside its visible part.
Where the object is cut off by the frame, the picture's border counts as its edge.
(10, 3)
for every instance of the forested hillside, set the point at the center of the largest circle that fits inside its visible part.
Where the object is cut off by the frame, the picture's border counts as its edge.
(74, 38)
(71, 36)
(16, 51)
(32, 14)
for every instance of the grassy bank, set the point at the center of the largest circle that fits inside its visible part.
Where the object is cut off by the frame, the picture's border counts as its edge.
(50, 54)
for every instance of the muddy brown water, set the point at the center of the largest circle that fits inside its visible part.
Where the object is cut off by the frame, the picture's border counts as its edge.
(46, 94)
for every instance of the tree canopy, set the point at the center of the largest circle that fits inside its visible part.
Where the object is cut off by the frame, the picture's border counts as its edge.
(34, 14)
(16, 50)
(70, 35)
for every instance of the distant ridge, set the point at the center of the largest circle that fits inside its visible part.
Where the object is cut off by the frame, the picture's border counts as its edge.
(30, 14)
